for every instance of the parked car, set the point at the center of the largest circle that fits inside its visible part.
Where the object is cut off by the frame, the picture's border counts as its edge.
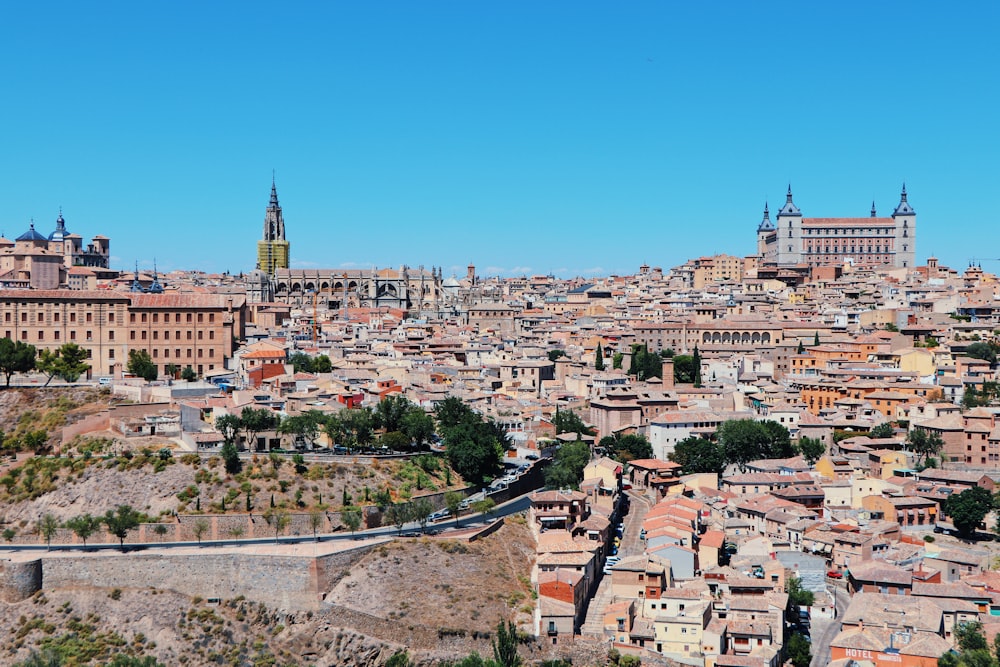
(834, 574)
(532, 457)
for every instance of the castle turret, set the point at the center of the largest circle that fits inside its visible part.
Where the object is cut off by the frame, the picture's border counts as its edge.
(905, 240)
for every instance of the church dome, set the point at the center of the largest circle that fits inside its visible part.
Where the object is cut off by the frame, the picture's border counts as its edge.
(60, 233)
(31, 235)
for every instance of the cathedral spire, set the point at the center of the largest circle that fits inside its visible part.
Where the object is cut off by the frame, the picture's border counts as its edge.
(873, 208)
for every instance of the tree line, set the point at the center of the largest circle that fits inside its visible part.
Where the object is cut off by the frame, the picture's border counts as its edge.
(68, 361)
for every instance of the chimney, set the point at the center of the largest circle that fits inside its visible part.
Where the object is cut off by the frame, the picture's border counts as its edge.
(668, 374)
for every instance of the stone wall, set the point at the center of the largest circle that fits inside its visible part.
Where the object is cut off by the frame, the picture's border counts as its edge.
(285, 582)
(19, 580)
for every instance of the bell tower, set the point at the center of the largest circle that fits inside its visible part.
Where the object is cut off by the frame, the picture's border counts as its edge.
(272, 249)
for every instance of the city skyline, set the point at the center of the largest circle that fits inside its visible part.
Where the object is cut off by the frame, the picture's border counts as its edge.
(522, 139)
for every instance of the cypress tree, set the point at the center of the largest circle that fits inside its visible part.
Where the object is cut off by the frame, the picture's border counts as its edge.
(696, 362)
(816, 339)
(802, 348)
(599, 359)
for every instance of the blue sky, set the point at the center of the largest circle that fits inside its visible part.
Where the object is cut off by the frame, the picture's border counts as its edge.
(526, 137)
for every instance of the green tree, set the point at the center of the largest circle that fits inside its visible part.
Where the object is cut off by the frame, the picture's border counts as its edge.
(16, 357)
(73, 362)
(199, 529)
(801, 348)
(812, 449)
(798, 651)
(322, 364)
(484, 506)
(645, 364)
(422, 508)
(924, 443)
(473, 449)
(398, 515)
(228, 427)
(747, 440)
(883, 430)
(452, 411)
(684, 369)
(48, 526)
(505, 645)
(301, 362)
(315, 522)
(798, 596)
(358, 427)
(969, 636)
(816, 339)
(254, 421)
(566, 470)
(399, 659)
(699, 455)
(599, 358)
(418, 426)
(303, 427)
(48, 364)
(84, 526)
(188, 374)
(351, 518)
(556, 354)
(696, 362)
(120, 521)
(390, 412)
(627, 447)
(453, 501)
(231, 458)
(968, 509)
(140, 364)
(171, 370)
(984, 351)
(567, 421)
(616, 360)
(278, 518)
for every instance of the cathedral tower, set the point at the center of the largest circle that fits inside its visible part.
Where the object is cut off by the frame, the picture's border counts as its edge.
(272, 250)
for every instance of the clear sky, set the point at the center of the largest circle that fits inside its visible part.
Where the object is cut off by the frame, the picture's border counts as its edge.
(526, 137)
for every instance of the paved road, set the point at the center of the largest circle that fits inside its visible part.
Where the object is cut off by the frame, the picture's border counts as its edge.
(824, 630)
(631, 545)
(514, 506)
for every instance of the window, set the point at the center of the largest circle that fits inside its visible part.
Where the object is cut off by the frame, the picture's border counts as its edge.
(131, 318)
(111, 317)
(211, 317)
(41, 335)
(56, 334)
(211, 336)
(24, 317)
(24, 335)
(55, 317)
(156, 353)
(111, 335)
(188, 318)
(72, 335)
(199, 335)
(177, 317)
(166, 335)
(156, 335)
(189, 335)
(156, 317)
(90, 318)
(199, 318)
(90, 335)
(111, 353)
(144, 317)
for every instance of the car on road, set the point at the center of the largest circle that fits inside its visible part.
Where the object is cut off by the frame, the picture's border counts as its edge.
(440, 514)
(834, 574)
(532, 457)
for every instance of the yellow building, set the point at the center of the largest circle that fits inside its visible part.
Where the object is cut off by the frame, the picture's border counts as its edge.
(272, 250)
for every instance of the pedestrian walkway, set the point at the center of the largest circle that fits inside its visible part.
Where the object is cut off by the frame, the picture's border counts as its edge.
(631, 545)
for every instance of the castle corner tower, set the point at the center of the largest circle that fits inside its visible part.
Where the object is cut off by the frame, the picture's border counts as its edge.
(272, 249)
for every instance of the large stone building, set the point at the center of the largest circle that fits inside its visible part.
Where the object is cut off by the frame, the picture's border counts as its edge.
(272, 249)
(197, 330)
(873, 241)
(35, 261)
